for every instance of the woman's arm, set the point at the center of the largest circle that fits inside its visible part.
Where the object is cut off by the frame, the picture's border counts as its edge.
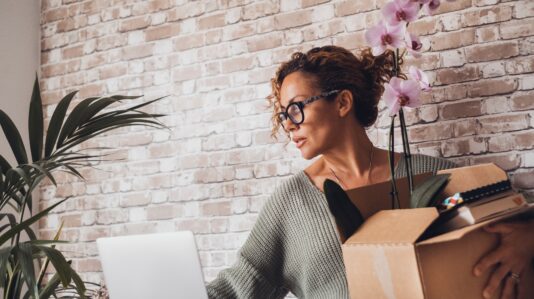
(258, 271)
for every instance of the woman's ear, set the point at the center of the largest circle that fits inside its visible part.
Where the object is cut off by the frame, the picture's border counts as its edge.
(344, 102)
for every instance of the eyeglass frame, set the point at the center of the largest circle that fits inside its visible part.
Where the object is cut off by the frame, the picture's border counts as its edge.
(301, 104)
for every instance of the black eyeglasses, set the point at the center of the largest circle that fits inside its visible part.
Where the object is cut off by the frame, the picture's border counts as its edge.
(295, 110)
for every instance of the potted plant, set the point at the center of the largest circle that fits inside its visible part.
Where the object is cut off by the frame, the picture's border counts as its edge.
(57, 150)
(402, 91)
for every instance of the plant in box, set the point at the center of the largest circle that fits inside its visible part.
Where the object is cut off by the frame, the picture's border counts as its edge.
(402, 91)
(57, 150)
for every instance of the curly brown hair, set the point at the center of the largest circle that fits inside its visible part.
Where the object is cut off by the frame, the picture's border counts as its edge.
(336, 68)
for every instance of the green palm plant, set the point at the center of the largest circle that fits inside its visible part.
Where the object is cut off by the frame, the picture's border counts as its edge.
(58, 150)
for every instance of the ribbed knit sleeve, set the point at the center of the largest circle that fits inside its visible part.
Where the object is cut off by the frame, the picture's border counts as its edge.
(257, 272)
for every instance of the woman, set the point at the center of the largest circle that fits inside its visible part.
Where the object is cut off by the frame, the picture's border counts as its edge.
(324, 100)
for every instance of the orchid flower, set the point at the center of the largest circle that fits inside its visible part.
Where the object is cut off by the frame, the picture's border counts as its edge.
(382, 35)
(431, 6)
(413, 44)
(399, 93)
(421, 78)
(400, 11)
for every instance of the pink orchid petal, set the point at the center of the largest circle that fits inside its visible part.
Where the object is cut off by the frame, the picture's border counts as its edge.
(431, 7)
(389, 11)
(378, 50)
(397, 90)
(397, 35)
(415, 73)
(374, 34)
(413, 44)
(411, 9)
(395, 83)
(411, 90)
(414, 102)
(434, 4)
(394, 109)
(420, 76)
(390, 95)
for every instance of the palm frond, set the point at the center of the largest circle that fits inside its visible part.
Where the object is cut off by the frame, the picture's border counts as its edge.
(132, 110)
(14, 138)
(56, 122)
(44, 171)
(49, 289)
(26, 223)
(4, 165)
(59, 262)
(35, 123)
(5, 253)
(72, 120)
(47, 261)
(23, 251)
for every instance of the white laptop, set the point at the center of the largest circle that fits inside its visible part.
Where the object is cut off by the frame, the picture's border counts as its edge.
(163, 266)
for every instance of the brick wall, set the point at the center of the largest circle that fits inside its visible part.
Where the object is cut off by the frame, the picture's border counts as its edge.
(216, 166)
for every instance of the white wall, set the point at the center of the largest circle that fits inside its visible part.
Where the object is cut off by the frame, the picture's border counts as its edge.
(19, 61)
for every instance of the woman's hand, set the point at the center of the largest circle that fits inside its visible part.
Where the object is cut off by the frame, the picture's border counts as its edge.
(514, 254)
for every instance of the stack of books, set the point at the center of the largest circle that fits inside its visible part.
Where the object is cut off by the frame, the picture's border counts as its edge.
(478, 205)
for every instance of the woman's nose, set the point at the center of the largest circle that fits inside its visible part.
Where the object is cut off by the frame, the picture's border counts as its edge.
(289, 125)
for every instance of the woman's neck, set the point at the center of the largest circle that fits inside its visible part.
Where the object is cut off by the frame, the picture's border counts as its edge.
(351, 155)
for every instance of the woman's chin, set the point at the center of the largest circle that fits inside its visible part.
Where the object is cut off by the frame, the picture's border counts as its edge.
(306, 154)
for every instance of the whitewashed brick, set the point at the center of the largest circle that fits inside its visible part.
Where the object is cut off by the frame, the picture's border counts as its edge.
(158, 18)
(452, 58)
(163, 47)
(451, 22)
(323, 13)
(93, 19)
(137, 214)
(526, 83)
(243, 139)
(136, 67)
(493, 69)
(136, 37)
(233, 15)
(215, 60)
(289, 5)
(161, 78)
(240, 223)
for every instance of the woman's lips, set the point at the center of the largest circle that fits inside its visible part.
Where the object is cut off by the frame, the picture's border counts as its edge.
(300, 142)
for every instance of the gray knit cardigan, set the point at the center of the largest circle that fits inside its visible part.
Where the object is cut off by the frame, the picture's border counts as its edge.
(294, 244)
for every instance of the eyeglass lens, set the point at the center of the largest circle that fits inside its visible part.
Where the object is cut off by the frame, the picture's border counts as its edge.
(295, 115)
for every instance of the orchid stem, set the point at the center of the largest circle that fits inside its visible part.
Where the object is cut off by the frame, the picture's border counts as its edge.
(406, 148)
(391, 157)
(396, 63)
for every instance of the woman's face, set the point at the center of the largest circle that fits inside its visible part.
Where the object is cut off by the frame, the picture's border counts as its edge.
(317, 133)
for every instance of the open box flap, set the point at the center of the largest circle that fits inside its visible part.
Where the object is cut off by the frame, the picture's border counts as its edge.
(471, 177)
(376, 197)
(394, 226)
(460, 233)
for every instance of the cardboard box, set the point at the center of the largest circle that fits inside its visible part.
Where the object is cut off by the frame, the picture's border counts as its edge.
(387, 259)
